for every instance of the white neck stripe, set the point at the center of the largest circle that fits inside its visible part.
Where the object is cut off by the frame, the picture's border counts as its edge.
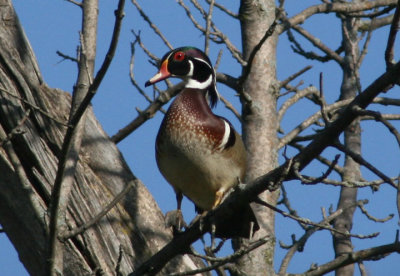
(191, 83)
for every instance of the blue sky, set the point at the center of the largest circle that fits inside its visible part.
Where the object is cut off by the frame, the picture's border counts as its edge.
(54, 25)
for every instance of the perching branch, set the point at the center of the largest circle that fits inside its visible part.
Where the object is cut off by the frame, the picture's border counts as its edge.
(226, 211)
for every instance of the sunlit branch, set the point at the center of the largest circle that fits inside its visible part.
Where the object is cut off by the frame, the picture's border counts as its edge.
(336, 7)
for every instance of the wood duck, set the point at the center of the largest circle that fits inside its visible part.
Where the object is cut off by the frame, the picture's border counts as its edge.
(199, 153)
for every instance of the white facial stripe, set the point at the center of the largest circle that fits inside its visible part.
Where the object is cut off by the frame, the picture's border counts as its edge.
(191, 83)
(227, 133)
(202, 60)
(190, 74)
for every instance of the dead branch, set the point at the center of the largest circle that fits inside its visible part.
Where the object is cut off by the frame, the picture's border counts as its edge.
(354, 257)
(336, 7)
(208, 26)
(309, 121)
(151, 24)
(318, 44)
(377, 23)
(71, 143)
(66, 57)
(222, 261)
(371, 217)
(394, 27)
(227, 209)
(360, 160)
(378, 117)
(294, 76)
(307, 221)
(225, 10)
(148, 113)
(311, 180)
(300, 243)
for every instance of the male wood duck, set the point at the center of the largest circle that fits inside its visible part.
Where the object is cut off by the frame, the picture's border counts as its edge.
(199, 153)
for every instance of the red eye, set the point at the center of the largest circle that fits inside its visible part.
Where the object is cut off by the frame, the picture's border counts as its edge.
(179, 56)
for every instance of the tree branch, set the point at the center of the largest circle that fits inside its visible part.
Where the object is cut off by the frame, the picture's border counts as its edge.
(270, 181)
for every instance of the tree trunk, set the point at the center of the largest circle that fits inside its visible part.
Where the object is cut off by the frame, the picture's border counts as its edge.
(32, 128)
(260, 124)
(352, 141)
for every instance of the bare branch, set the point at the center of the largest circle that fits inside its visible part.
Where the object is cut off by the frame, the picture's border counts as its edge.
(336, 7)
(208, 26)
(377, 23)
(71, 143)
(354, 257)
(221, 261)
(294, 76)
(318, 44)
(309, 121)
(215, 34)
(230, 107)
(66, 57)
(309, 180)
(224, 9)
(309, 222)
(360, 160)
(79, 4)
(369, 216)
(151, 24)
(378, 117)
(299, 244)
(148, 113)
(226, 210)
(389, 53)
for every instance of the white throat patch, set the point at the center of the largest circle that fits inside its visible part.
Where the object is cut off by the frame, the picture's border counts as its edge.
(191, 83)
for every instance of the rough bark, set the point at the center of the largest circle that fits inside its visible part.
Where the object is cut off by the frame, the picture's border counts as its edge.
(31, 140)
(352, 140)
(260, 124)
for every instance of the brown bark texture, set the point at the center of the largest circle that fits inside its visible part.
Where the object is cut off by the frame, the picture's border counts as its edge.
(32, 126)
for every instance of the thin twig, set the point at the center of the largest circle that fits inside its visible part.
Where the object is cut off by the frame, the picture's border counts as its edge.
(148, 113)
(360, 160)
(308, 180)
(66, 57)
(371, 217)
(151, 24)
(224, 9)
(208, 26)
(221, 261)
(300, 243)
(294, 76)
(309, 222)
(79, 4)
